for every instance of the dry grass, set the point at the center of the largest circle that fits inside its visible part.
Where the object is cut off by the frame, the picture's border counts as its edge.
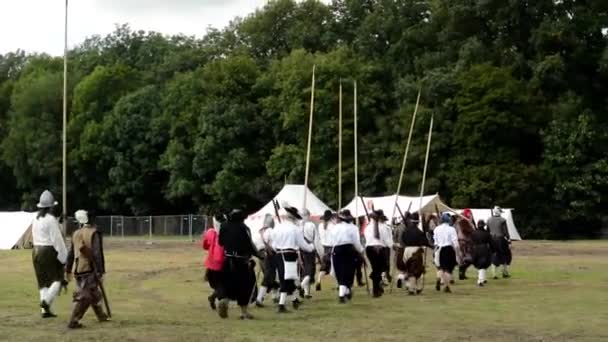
(558, 293)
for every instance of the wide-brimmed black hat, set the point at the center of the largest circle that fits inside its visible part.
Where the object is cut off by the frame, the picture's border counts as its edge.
(378, 215)
(414, 217)
(345, 215)
(327, 215)
(293, 212)
(237, 215)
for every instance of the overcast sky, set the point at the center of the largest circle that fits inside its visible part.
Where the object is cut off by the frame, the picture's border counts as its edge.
(37, 25)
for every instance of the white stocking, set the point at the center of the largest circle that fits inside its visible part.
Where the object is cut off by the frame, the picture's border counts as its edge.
(342, 291)
(282, 298)
(262, 294)
(481, 276)
(52, 292)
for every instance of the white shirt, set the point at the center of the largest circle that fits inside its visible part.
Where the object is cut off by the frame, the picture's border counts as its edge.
(309, 229)
(287, 235)
(261, 236)
(46, 232)
(445, 235)
(385, 239)
(325, 234)
(346, 234)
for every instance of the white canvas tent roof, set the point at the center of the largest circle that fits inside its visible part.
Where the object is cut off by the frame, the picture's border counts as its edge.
(484, 214)
(387, 204)
(15, 229)
(293, 194)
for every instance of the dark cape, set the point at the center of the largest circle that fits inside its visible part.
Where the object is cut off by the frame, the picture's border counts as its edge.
(238, 278)
(482, 249)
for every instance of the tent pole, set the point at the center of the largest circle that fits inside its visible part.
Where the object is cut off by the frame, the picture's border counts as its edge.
(312, 107)
(340, 148)
(407, 149)
(426, 163)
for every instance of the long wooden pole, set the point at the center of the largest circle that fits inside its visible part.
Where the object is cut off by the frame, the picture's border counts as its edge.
(426, 163)
(340, 149)
(356, 162)
(65, 116)
(312, 107)
(407, 149)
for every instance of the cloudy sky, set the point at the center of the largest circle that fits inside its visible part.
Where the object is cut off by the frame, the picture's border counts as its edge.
(37, 25)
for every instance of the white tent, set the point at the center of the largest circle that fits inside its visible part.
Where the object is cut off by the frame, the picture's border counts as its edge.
(293, 194)
(387, 204)
(15, 229)
(484, 214)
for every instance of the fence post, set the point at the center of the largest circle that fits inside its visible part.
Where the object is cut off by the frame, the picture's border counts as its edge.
(190, 228)
(181, 225)
(111, 225)
(150, 227)
(122, 226)
(165, 225)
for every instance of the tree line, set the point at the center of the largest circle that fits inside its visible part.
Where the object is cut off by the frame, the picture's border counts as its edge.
(165, 124)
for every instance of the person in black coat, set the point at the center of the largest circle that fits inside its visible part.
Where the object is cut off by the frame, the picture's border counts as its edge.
(238, 280)
(482, 251)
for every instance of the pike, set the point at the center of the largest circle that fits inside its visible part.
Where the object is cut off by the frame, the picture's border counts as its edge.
(364, 262)
(84, 250)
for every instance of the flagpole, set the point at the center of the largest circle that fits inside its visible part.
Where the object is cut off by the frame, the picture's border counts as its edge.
(340, 149)
(312, 107)
(407, 149)
(356, 162)
(65, 115)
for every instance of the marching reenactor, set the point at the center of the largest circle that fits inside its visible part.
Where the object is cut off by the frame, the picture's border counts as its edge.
(287, 239)
(482, 251)
(309, 259)
(324, 229)
(49, 254)
(414, 240)
(238, 280)
(269, 267)
(213, 263)
(87, 262)
(497, 226)
(464, 228)
(346, 252)
(378, 237)
(446, 249)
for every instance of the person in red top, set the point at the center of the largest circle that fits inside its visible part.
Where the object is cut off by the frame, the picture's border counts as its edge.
(213, 262)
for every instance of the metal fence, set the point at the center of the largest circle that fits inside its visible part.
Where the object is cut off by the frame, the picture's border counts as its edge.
(187, 226)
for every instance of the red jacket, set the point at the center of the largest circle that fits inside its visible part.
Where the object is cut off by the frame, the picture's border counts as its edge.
(215, 255)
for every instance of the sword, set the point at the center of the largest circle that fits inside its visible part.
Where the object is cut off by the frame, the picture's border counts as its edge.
(84, 250)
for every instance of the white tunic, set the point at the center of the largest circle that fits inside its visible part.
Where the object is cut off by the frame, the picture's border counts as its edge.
(385, 239)
(287, 235)
(325, 234)
(46, 232)
(261, 238)
(445, 235)
(346, 234)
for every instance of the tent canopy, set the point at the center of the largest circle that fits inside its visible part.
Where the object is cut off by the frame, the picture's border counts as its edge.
(485, 214)
(387, 204)
(15, 229)
(293, 194)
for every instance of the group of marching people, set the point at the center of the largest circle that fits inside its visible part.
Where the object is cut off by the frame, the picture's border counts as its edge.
(290, 247)
(55, 265)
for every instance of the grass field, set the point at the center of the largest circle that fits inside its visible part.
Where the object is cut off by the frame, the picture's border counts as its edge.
(559, 292)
